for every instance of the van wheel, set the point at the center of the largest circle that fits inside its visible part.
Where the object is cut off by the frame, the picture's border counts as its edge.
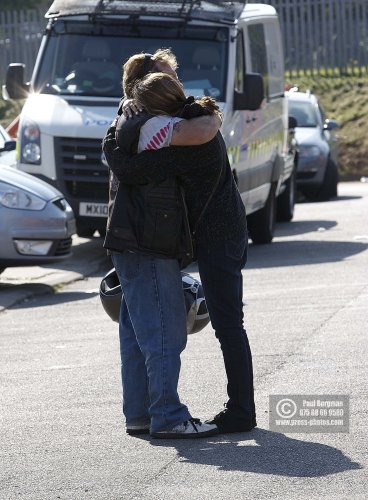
(286, 200)
(261, 224)
(85, 231)
(329, 186)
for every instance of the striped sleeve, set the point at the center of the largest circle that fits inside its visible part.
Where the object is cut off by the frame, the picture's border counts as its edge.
(156, 133)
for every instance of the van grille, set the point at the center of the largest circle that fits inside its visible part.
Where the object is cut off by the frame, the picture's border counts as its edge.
(80, 171)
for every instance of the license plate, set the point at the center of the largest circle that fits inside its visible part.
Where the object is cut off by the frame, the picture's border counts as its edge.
(93, 209)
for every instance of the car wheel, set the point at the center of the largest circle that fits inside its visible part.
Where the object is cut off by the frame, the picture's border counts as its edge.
(329, 186)
(310, 194)
(286, 200)
(261, 224)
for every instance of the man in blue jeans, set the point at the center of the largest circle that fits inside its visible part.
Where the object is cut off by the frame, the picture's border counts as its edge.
(152, 336)
(152, 328)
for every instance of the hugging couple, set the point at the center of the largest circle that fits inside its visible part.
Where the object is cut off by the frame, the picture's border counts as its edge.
(160, 135)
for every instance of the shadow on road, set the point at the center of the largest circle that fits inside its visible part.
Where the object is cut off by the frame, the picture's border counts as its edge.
(274, 453)
(303, 227)
(49, 298)
(37, 288)
(302, 200)
(88, 257)
(345, 198)
(296, 253)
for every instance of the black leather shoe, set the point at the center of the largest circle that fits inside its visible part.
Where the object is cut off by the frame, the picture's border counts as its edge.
(227, 422)
(135, 430)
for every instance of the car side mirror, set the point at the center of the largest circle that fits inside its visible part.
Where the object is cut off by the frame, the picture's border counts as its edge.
(9, 146)
(252, 96)
(15, 88)
(292, 122)
(331, 125)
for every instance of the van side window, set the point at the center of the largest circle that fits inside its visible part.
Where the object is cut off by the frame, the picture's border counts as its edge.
(258, 52)
(275, 62)
(239, 63)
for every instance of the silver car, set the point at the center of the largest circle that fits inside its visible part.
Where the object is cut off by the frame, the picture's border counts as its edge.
(317, 163)
(36, 222)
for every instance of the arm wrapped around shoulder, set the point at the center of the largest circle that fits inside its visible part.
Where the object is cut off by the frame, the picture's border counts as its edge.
(127, 131)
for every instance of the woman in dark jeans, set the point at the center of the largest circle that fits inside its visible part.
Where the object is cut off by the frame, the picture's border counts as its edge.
(219, 231)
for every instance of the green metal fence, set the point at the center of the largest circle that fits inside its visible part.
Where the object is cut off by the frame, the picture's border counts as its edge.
(319, 36)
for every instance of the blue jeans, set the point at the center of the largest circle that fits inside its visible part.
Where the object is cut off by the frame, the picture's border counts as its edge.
(152, 334)
(220, 267)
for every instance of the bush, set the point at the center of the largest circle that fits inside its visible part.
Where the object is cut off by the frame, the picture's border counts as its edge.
(9, 110)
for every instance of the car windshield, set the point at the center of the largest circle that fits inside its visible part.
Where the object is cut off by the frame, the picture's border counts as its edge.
(76, 62)
(304, 113)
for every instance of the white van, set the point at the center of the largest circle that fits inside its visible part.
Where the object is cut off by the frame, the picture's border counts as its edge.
(224, 49)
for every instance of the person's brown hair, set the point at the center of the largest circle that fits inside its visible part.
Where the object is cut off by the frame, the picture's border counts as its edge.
(137, 66)
(162, 94)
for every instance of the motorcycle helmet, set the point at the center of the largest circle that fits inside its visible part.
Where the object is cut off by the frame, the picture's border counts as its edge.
(195, 302)
(110, 294)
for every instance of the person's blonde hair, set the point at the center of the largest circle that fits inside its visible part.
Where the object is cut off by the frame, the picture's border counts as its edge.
(137, 67)
(162, 94)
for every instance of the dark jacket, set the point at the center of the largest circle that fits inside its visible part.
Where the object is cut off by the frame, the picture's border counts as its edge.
(198, 168)
(149, 218)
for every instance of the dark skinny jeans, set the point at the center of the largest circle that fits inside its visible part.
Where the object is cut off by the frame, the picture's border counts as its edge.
(220, 265)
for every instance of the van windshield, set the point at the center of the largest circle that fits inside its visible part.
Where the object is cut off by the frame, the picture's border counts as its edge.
(81, 64)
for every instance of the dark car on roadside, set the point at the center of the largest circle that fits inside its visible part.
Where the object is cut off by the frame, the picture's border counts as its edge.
(315, 134)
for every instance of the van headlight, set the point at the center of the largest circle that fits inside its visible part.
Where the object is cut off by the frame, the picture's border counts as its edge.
(13, 197)
(30, 144)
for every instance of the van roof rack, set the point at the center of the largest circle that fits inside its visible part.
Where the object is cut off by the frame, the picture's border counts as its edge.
(209, 10)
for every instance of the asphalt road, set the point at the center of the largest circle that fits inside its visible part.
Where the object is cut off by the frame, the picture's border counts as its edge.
(61, 431)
